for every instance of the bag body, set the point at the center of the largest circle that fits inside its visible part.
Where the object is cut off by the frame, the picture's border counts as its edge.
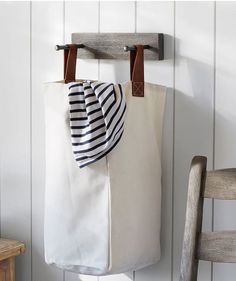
(104, 218)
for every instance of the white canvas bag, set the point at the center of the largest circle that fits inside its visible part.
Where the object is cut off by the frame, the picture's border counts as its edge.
(104, 218)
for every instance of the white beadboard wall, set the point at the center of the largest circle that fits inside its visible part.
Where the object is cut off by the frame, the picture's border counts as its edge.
(199, 70)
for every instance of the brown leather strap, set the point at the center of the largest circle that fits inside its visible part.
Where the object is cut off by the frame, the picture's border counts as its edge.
(137, 71)
(70, 57)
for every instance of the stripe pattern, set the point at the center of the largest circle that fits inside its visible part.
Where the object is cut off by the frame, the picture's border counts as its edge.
(97, 114)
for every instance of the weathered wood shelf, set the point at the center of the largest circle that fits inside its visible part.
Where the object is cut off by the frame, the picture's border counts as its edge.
(111, 45)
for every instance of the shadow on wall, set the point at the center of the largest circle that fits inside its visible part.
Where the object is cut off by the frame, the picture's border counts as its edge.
(194, 134)
(118, 71)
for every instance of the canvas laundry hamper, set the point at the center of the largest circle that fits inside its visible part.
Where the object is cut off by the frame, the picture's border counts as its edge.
(104, 218)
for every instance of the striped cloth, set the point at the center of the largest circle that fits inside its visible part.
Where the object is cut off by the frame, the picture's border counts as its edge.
(97, 112)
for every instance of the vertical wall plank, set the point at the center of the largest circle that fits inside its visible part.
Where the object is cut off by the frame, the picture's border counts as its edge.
(116, 16)
(225, 119)
(159, 17)
(15, 129)
(194, 87)
(47, 65)
(82, 16)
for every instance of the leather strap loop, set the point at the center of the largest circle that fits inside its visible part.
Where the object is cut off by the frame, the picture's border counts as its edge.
(70, 57)
(137, 71)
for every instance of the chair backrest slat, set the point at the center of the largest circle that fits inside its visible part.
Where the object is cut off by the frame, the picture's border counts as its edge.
(193, 222)
(221, 184)
(217, 246)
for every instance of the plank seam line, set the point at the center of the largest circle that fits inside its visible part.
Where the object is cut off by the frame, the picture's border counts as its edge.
(135, 30)
(99, 30)
(31, 141)
(64, 39)
(98, 66)
(173, 145)
(214, 121)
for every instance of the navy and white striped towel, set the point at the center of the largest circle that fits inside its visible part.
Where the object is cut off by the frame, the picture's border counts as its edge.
(97, 112)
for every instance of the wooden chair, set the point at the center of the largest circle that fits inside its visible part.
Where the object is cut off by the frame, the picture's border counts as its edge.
(217, 246)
